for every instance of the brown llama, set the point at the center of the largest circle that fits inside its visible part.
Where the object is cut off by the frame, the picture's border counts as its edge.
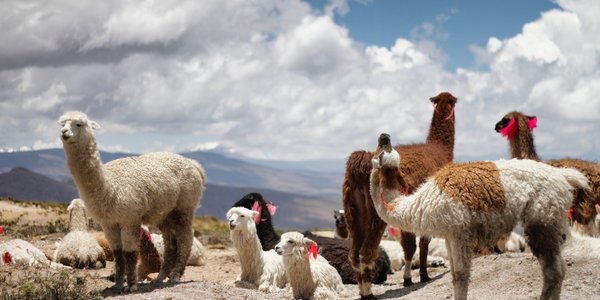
(518, 129)
(419, 161)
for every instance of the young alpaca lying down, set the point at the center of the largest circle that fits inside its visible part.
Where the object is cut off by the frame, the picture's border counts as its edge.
(310, 277)
(481, 202)
(260, 269)
(333, 250)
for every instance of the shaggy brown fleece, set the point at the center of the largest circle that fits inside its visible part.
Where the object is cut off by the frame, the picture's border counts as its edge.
(418, 162)
(149, 260)
(522, 147)
(485, 196)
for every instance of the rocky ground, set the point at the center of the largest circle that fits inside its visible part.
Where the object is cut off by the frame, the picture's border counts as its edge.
(505, 276)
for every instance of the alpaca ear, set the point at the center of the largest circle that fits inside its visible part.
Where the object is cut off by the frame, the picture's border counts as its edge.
(435, 99)
(93, 124)
(308, 242)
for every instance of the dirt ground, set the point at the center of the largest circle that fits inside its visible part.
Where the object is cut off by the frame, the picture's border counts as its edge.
(505, 276)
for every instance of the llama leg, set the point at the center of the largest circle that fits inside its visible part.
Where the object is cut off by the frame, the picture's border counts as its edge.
(408, 241)
(545, 242)
(113, 236)
(423, 254)
(460, 252)
(183, 240)
(169, 251)
(131, 248)
(368, 254)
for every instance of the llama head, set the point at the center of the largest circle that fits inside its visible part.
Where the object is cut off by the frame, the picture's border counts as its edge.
(513, 122)
(241, 219)
(294, 243)
(341, 229)
(385, 154)
(76, 127)
(444, 104)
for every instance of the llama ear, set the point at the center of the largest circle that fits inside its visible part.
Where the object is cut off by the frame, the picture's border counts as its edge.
(531, 122)
(93, 124)
(435, 99)
(308, 242)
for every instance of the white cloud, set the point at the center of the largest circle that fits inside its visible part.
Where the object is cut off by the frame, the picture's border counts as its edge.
(272, 79)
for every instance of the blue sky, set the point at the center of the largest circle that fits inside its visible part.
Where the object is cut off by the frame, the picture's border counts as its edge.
(296, 80)
(458, 24)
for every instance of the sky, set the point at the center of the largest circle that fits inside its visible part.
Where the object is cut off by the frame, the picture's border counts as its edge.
(296, 80)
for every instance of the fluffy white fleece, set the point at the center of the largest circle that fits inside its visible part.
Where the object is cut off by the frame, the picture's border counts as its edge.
(260, 269)
(161, 189)
(79, 248)
(309, 278)
(18, 251)
(196, 253)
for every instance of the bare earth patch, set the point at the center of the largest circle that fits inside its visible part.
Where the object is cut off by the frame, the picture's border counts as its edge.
(506, 276)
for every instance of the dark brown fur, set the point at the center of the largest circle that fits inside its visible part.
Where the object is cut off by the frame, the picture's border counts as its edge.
(149, 259)
(418, 162)
(522, 147)
(486, 195)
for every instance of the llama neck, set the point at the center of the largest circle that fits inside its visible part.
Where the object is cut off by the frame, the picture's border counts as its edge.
(299, 274)
(401, 215)
(441, 130)
(86, 168)
(521, 145)
(250, 251)
(78, 219)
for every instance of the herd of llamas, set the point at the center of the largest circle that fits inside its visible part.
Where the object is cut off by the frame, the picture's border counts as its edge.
(455, 209)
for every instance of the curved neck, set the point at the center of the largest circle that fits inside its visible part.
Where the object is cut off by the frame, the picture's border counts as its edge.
(391, 205)
(441, 129)
(521, 145)
(85, 166)
(249, 249)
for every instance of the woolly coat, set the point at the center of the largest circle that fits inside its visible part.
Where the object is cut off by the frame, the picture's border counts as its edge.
(310, 277)
(260, 269)
(472, 203)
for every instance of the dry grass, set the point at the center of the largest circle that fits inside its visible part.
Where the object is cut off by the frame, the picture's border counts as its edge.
(211, 231)
(35, 282)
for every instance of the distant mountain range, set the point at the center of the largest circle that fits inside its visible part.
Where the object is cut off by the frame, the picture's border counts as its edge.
(221, 170)
(305, 198)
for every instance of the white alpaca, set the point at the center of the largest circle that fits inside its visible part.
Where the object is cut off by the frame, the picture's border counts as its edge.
(260, 269)
(161, 189)
(18, 251)
(196, 253)
(483, 201)
(580, 245)
(79, 247)
(309, 278)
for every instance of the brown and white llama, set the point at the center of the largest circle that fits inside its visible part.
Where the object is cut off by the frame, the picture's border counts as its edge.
(479, 202)
(518, 129)
(365, 227)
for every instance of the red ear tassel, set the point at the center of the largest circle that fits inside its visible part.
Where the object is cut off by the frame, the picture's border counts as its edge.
(1, 229)
(7, 258)
(392, 231)
(532, 123)
(510, 130)
(272, 208)
(570, 213)
(312, 250)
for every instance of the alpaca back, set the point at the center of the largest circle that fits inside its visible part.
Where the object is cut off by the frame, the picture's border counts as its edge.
(150, 186)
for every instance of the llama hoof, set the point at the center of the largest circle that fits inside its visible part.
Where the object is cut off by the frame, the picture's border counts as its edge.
(130, 289)
(425, 278)
(407, 282)
(368, 297)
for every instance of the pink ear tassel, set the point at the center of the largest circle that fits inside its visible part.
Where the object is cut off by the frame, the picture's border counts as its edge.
(272, 208)
(510, 130)
(532, 123)
(257, 208)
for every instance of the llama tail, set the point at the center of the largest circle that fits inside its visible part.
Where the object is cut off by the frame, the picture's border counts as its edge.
(575, 178)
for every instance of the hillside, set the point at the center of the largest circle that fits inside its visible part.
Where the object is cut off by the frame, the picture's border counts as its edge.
(295, 211)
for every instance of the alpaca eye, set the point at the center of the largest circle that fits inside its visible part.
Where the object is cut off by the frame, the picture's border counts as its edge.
(290, 242)
(78, 125)
(242, 216)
